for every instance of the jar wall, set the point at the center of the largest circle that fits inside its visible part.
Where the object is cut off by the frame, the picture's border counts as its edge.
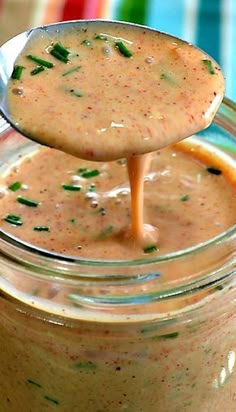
(166, 361)
(186, 364)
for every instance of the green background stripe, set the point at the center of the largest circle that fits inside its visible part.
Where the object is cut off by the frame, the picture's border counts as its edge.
(134, 11)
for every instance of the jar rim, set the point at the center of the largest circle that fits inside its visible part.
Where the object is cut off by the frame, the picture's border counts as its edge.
(17, 243)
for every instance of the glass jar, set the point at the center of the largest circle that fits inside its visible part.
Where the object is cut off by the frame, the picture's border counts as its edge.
(107, 336)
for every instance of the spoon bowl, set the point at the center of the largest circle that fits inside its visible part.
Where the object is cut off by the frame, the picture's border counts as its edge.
(9, 52)
(174, 94)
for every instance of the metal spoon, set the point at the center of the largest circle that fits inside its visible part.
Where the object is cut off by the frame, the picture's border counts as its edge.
(9, 52)
(8, 56)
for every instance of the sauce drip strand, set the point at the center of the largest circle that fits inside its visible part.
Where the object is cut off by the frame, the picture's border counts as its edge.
(105, 91)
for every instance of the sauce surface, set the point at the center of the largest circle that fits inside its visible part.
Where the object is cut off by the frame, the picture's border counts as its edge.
(104, 91)
(114, 91)
(83, 208)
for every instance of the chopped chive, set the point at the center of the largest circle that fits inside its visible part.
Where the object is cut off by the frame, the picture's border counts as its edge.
(214, 170)
(72, 220)
(15, 186)
(34, 383)
(74, 69)
(86, 42)
(150, 249)
(72, 188)
(100, 36)
(41, 229)
(172, 335)
(27, 202)
(13, 220)
(184, 198)
(92, 187)
(168, 77)
(75, 93)
(37, 70)
(123, 49)
(17, 72)
(87, 174)
(50, 399)
(208, 64)
(40, 61)
(59, 56)
(86, 365)
(82, 169)
(61, 49)
(106, 231)
(60, 52)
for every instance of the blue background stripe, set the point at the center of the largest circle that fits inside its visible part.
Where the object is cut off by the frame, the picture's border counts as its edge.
(167, 16)
(208, 27)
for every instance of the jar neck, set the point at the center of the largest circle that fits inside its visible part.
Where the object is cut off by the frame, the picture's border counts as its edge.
(72, 287)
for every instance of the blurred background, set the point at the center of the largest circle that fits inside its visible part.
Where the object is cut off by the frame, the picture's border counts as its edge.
(209, 24)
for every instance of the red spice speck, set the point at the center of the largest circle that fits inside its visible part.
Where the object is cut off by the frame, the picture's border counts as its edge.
(89, 153)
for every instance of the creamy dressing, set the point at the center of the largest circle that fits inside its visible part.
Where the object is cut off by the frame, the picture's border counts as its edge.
(110, 91)
(93, 221)
(116, 108)
(102, 105)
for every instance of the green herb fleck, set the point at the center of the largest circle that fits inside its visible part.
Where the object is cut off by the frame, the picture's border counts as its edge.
(184, 198)
(58, 56)
(168, 77)
(86, 42)
(13, 220)
(214, 170)
(87, 174)
(172, 335)
(17, 72)
(34, 383)
(208, 64)
(86, 365)
(37, 70)
(40, 61)
(106, 231)
(92, 188)
(101, 211)
(72, 188)
(35, 291)
(72, 70)
(15, 186)
(72, 220)
(61, 49)
(100, 36)
(75, 93)
(219, 287)
(60, 52)
(41, 228)
(50, 399)
(27, 202)
(123, 49)
(150, 249)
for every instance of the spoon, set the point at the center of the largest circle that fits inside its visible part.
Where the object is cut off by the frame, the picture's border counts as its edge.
(9, 52)
(103, 135)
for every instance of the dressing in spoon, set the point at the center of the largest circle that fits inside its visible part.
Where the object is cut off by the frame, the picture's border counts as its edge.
(104, 90)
